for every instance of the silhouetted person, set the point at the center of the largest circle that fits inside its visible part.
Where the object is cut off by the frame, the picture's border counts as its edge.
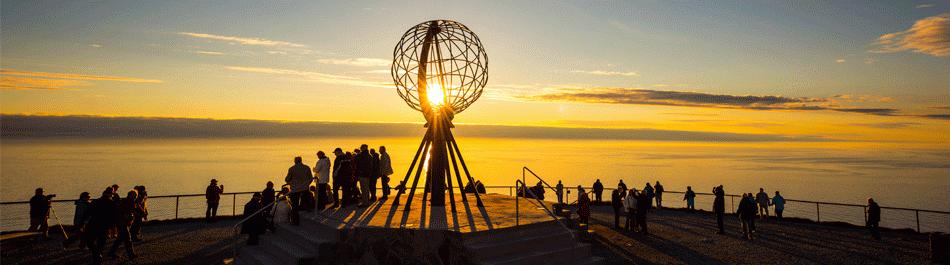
(616, 201)
(779, 203)
(39, 212)
(630, 204)
(126, 213)
(385, 169)
(719, 207)
(480, 188)
(141, 213)
(762, 199)
(623, 188)
(268, 197)
(644, 205)
(116, 198)
(374, 176)
(559, 191)
(583, 206)
(322, 173)
(401, 188)
(650, 193)
(338, 181)
(299, 178)
(102, 217)
(80, 217)
(598, 190)
(364, 170)
(659, 195)
(470, 188)
(874, 218)
(213, 197)
(690, 198)
(747, 213)
(257, 223)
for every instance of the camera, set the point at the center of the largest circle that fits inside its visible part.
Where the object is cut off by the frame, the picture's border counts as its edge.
(50, 196)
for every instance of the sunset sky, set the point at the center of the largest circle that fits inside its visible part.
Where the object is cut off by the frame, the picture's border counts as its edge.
(875, 71)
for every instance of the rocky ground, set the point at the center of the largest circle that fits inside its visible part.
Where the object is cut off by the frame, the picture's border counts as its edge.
(680, 237)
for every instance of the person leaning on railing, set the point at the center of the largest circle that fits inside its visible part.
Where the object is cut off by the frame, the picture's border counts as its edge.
(213, 197)
(256, 224)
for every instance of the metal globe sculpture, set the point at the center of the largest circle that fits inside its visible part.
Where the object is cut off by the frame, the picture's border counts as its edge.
(439, 68)
(440, 65)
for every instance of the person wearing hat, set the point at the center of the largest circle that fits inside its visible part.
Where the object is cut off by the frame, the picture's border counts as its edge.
(213, 196)
(256, 224)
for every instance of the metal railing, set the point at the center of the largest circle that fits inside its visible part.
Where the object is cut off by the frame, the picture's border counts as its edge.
(170, 207)
(272, 207)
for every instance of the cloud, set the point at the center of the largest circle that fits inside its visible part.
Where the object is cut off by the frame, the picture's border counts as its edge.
(243, 40)
(936, 116)
(363, 62)
(606, 73)
(886, 125)
(929, 35)
(840, 61)
(95, 45)
(924, 6)
(637, 96)
(27, 80)
(312, 76)
(208, 52)
(870, 61)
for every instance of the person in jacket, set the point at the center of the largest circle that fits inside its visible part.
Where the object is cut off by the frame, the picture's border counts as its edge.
(763, 201)
(583, 206)
(80, 216)
(598, 189)
(141, 213)
(126, 214)
(213, 197)
(719, 207)
(268, 197)
(480, 188)
(779, 203)
(321, 172)
(559, 191)
(39, 212)
(338, 180)
(644, 204)
(630, 204)
(623, 188)
(874, 219)
(616, 201)
(690, 198)
(650, 193)
(255, 223)
(385, 169)
(659, 195)
(374, 176)
(102, 217)
(364, 171)
(747, 213)
(299, 178)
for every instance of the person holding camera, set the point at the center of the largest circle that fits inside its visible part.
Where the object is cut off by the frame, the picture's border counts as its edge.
(39, 212)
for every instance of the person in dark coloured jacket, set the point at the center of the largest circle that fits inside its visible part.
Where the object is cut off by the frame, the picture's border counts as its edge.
(874, 218)
(617, 202)
(102, 217)
(256, 224)
(719, 207)
(125, 214)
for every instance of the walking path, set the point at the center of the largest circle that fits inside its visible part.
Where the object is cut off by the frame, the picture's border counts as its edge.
(680, 237)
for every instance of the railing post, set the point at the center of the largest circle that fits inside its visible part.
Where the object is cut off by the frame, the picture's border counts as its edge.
(509, 191)
(865, 215)
(917, 212)
(733, 199)
(176, 206)
(818, 211)
(517, 209)
(233, 204)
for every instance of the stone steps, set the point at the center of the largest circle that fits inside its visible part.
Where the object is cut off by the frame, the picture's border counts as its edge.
(573, 254)
(540, 243)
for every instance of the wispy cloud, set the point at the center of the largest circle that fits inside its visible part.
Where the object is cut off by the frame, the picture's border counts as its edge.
(208, 52)
(363, 62)
(929, 35)
(26, 80)
(886, 125)
(840, 61)
(637, 96)
(95, 45)
(312, 76)
(244, 40)
(924, 5)
(605, 73)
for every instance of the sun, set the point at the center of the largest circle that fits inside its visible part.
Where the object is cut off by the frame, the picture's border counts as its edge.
(435, 94)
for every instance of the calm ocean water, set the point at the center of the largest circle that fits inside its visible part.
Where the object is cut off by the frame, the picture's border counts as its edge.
(849, 173)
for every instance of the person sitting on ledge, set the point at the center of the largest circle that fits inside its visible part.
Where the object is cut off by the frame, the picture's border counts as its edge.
(470, 188)
(479, 187)
(256, 224)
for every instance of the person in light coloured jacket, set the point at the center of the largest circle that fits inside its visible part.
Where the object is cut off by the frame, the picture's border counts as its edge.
(322, 173)
(779, 203)
(299, 178)
(385, 169)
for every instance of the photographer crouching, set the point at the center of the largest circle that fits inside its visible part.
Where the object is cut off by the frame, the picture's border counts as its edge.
(39, 212)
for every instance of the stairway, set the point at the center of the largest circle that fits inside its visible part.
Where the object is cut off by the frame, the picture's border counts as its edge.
(540, 243)
(289, 244)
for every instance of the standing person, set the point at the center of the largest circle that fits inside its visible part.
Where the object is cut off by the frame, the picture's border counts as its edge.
(116, 198)
(299, 178)
(364, 170)
(690, 198)
(762, 199)
(385, 169)
(256, 225)
(623, 188)
(649, 192)
(719, 206)
(126, 213)
(322, 172)
(779, 203)
(617, 202)
(337, 176)
(213, 197)
(268, 197)
(559, 191)
(39, 212)
(80, 216)
(102, 215)
(659, 195)
(351, 192)
(874, 218)
(374, 179)
(644, 204)
(598, 189)
(583, 206)
(743, 213)
(141, 213)
(630, 203)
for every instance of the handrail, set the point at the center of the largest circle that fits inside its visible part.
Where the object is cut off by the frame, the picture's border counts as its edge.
(272, 207)
(545, 207)
(525, 169)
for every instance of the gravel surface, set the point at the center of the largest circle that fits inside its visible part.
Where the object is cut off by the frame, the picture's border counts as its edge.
(183, 242)
(680, 237)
